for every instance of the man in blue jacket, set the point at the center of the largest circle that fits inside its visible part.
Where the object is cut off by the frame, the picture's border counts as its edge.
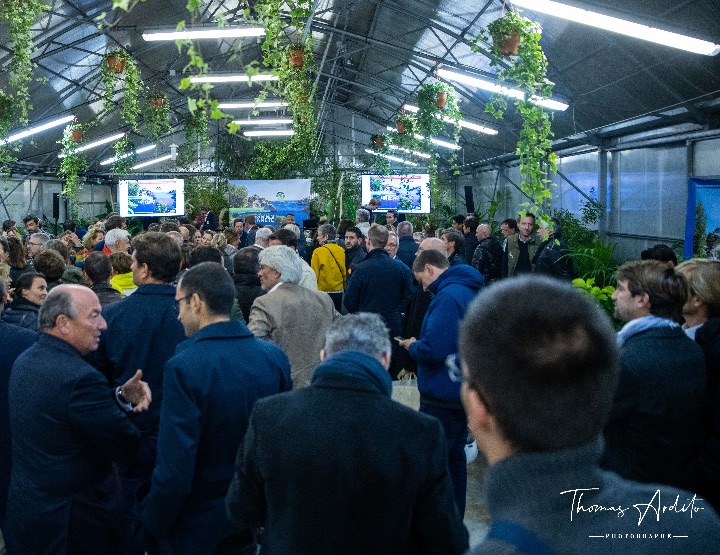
(453, 289)
(211, 386)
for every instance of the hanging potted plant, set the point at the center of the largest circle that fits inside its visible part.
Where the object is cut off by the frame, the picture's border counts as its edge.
(157, 116)
(21, 15)
(378, 141)
(76, 131)
(507, 32)
(118, 67)
(527, 72)
(405, 123)
(72, 164)
(438, 106)
(125, 157)
(296, 55)
(7, 114)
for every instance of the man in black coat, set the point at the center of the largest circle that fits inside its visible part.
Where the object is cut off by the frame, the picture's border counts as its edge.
(97, 272)
(67, 427)
(488, 255)
(14, 341)
(323, 472)
(407, 247)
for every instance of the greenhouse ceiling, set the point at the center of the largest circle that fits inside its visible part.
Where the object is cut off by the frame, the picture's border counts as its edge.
(372, 57)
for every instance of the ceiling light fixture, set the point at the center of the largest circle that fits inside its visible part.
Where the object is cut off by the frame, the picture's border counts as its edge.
(622, 26)
(439, 142)
(389, 157)
(246, 105)
(99, 142)
(137, 151)
(267, 121)
(37, 129)
(238, 78)
(270, 133)
(154, 161)
(217, 33)
(408, 151)
(462, 122)
(495, 88)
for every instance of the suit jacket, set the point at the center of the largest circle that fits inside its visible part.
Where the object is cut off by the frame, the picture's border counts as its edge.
(66, 429)
(407, 248)
(323, 471)
(210, 389)
(14, 341)
(296, 318)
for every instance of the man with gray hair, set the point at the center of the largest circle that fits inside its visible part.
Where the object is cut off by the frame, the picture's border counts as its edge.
(262, 239)
(407, 247)
(331, 443)
(36, 244)
(362, 220)
(292, 316)
(117, 240)
(68, 426)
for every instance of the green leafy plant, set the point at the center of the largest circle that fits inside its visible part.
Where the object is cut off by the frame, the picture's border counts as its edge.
(432, 119)
(601, 295)
(157, 115)
(21, 15)
(528, 73)
(197, 140)
(7, 119)
(233, 156)
(380, 145)
(699, 231)
(406, 124)
(125, 157)
(72, 164)
(113, 66)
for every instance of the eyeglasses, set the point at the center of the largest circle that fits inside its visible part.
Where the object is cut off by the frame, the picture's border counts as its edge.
(31, 244)
(178, 301)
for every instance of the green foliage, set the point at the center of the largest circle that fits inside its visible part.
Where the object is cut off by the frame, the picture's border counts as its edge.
(597, 262)
(132, 86)
(7, 119)
(197, 140)
(336, 191)
(71, 165)
(126, 157)
(204, 190)
(601, 296)
(699, 233)
(233, 156)
(277, 160)
(21, 15)
(432, 120)
(410, 123)
(157, 115)
(527, 72)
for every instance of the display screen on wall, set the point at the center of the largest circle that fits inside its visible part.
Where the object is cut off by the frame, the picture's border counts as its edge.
(270, 200)
(408, 194)
(702, 221)
(151, 197)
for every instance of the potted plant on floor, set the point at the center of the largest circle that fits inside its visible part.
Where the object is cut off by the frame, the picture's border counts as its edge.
(527, 72)
(118, 67)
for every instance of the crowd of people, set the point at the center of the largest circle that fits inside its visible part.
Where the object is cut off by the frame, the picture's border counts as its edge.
(191, 389)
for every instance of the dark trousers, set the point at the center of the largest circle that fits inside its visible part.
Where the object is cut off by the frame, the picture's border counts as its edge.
(454, 423)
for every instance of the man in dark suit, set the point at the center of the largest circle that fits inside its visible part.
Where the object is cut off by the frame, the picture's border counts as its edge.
(407, 247)
(210, 389)
(323, 471)
(14, 341)
(67, 427)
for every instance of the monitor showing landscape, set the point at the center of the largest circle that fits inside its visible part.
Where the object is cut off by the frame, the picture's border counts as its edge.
(151, 197)
(408, 194)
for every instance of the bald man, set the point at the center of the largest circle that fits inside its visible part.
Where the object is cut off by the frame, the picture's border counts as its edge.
(487, 258)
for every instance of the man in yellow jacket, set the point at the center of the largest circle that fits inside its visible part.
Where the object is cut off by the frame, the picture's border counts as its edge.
(328, 262)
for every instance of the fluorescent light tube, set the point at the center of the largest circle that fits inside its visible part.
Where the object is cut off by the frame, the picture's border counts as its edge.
(495, 88)
(622, 26)
(270, 133)
(463, 123)
(217, 33)
(393, 158)
(127, 155)
(244, 105)
(267, 121)
(154, 161)
(408, 151)
(438, 142)
(241, 78)
(99, 142)
(37, 129)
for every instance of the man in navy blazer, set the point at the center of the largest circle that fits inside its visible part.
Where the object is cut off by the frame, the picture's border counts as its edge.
(67, 427)
(211, 385)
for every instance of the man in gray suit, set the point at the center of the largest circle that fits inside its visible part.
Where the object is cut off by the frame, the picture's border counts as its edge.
(292, 316)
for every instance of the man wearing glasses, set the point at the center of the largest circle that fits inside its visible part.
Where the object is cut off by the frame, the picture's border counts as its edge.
(453, 288)
(36, 244)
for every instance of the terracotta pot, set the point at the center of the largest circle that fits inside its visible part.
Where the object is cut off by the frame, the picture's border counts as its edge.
(296, 57)
(510, 46)
(400, 125)
(77, 135)
(441, 100)
(379, 141)
(157, 101)
(116, 64)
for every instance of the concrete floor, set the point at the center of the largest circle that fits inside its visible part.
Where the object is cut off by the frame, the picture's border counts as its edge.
(477, 519)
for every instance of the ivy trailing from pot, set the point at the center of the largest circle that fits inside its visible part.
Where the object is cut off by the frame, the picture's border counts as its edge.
(157, 115)
(118, 67)
(380, 145)
(528, 72)
(125, 157)
(21, 15)
(7, 119)
(72, 164)
(438, 106)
